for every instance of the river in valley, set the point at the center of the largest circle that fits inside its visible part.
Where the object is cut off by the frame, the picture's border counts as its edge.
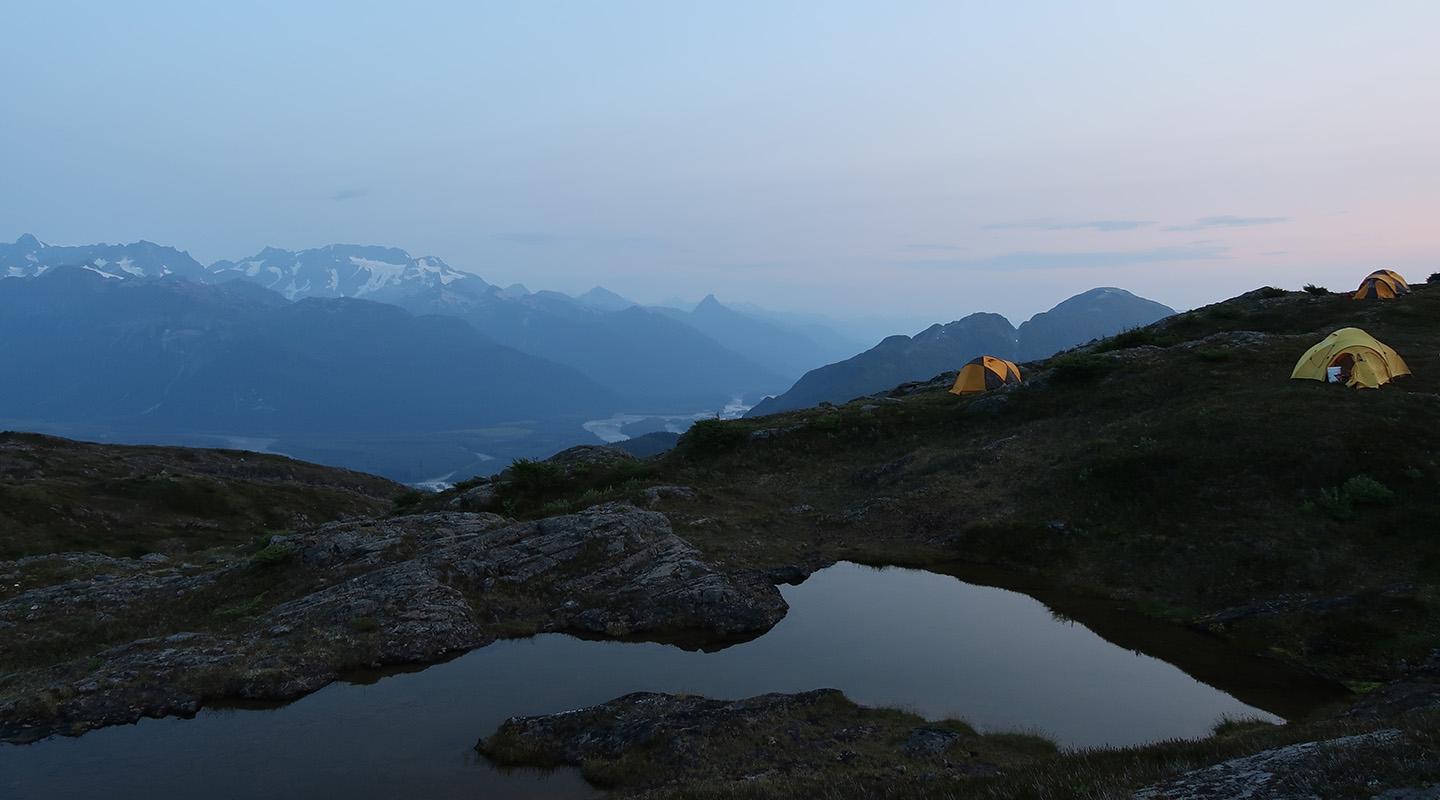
(923, 641)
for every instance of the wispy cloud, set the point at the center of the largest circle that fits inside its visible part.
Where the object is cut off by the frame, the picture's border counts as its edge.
(1105, 225)
(349, 194)
(1079, 259)
(1227, 221)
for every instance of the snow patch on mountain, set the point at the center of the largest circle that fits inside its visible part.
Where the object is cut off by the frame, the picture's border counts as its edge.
(341, 270)
(102, 273)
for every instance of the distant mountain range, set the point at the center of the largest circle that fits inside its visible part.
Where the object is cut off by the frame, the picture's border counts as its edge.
(648, 359)
(367, 339)
(897, 359)
(171, 354)
(29, 257)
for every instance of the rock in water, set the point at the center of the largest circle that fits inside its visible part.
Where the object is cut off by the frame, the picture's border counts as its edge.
(809, 740)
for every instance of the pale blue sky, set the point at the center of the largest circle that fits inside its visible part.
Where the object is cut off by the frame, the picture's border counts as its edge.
(909, 158)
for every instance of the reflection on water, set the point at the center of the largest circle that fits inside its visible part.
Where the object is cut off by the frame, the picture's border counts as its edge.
(923, 641)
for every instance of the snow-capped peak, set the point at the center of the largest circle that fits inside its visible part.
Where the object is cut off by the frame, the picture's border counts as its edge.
(343, 270)
(29, 257)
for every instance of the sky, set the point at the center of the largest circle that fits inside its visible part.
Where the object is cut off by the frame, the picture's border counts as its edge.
(916, 159)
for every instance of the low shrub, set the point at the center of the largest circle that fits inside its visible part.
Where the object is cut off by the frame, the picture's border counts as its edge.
(709, 437)
(1434, 278)
(1136, 337)
(1311, 288)
(826, 422)
(527, 476)
(1213, 354)
(1080, 368)
(409, 498)
(1334, 504)
(1364, 490)
(1339, 502)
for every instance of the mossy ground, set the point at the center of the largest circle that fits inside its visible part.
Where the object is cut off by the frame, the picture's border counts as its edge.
(59, 495)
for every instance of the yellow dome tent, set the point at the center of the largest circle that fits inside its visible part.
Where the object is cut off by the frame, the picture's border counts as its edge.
(1382, 284)
(985, 373)
(1363, 362)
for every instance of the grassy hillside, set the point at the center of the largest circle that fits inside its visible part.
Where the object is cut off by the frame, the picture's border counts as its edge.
(61, 495)
(1176, 467)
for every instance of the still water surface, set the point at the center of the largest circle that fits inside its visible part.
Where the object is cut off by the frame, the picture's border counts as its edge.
(896, 637)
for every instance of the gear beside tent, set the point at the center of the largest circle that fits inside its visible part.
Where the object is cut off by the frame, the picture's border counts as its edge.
(1382, 284)
(985, 373)
(1353, 357)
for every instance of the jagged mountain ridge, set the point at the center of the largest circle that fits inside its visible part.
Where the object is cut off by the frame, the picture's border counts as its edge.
(28, 257)
(345, 270)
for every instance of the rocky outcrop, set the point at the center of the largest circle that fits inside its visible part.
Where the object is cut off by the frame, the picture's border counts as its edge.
(589, 457)
(645, 740)
(1269, 775)
(357, 594)
(655, 494)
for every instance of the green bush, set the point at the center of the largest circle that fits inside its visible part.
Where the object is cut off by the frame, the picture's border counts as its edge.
(1332, 503)
(1364, 490)
(469, 483)
(1311, 288)
(410, 498)
(710, 437)
(826, 422)
(1213, 354)
(1339, 502)
(1136, 337)
(1225, 312)
(1080, 368)
(1269, 293)
(528, 476)
(1434, 278)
